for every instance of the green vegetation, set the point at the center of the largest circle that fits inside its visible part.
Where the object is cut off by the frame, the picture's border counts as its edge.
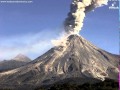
(106, 85)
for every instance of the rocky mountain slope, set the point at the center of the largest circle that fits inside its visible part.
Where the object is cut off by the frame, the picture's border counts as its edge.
(16, 62)
(78, 61)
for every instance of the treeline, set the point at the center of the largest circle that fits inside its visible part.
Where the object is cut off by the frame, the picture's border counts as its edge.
(106, 85)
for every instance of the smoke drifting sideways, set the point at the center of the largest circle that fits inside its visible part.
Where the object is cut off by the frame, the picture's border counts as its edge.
(74, 22)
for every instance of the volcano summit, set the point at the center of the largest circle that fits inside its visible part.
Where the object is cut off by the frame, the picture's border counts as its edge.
(78, 60)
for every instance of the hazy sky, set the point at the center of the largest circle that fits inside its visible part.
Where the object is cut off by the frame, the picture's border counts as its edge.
(29, 28)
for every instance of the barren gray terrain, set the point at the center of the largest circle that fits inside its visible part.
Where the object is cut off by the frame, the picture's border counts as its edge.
(78, 61)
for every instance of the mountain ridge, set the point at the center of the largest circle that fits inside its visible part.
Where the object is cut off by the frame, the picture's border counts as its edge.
(21, 57)
(16, 62)
(78, 58)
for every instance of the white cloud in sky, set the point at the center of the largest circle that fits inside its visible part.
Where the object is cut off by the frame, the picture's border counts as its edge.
(32, 45)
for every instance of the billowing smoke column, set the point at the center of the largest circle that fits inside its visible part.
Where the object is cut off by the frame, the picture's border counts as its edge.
(74, 21)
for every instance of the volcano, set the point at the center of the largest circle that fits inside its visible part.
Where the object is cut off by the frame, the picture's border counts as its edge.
(77, 61)
(16, 62)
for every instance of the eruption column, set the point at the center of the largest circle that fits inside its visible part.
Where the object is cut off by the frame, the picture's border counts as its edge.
(78, 9)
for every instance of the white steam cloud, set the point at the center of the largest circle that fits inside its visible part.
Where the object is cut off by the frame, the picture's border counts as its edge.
(78, 9)
(32, 45)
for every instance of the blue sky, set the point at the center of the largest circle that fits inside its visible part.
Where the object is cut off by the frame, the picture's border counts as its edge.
(29, 28)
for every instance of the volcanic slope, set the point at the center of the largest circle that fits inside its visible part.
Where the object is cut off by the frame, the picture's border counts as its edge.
(77, 60)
